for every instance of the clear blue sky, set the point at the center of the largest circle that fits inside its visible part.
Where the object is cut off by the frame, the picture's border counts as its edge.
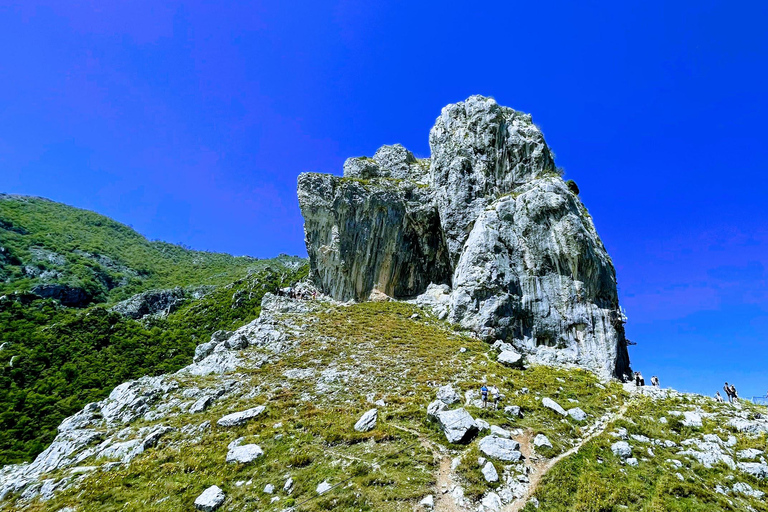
(190, 121)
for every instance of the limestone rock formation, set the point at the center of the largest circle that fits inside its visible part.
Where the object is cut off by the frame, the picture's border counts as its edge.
(488, 222)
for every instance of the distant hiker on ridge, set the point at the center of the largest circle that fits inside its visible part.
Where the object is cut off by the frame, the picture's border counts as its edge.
(734, 394)
(719, 397)
(727, 390)
(655, 381)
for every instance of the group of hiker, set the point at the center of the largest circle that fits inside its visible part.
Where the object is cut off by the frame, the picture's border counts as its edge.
(495, 394)
(640, 380)
(730, 392)
(295, 293)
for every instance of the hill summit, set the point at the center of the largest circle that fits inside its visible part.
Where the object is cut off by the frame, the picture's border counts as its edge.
(489, 218)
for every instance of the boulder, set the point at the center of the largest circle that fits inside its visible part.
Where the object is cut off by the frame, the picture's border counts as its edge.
(428, 503)
(448, 395)
(577, 414)
(458, 426)
(323, 487)
(243, 453)
(491, 502)
(756, 469)
(489, 472)
(500, 432)
(240, 418)
(551, 404)
(512, 410)
(211, 499)
(621, 449)
(510, 358)
(367, 421)
(500, 448)
(541, 441)
(692, 419)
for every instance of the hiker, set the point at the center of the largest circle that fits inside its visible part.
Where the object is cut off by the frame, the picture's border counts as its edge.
(727, 390)
(496, 397)
(640, 377)
(637, 378)
(719, 397)
(734, 394)
(484, 394)
(655, 381)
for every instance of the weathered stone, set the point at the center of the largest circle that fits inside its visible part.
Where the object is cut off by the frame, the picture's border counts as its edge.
(747, 490)
(756, 469)
(551, 404)
(491, 502)
(367, 421)
(500, 432)
(489, 472)
(458, 426)
(428, 502)
(436, 407)
(691, 419)
(240, 418)
(448, 395)
(577, 414)
(510, 358)
(541, 441)
(323, 487)
(621, 449)
(500, 448)
(512, 410)
(492, 216)
(362, 236)
(151, 303)
(211, 499)
(243, 453)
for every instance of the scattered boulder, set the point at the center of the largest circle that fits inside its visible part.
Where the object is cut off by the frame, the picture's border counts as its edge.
(756, 469)
(510, 358)
(513, 410)
(448, 395)
(458, 426)
(243, 453)
(577, 414)
(428, 502)
(489, 472)
(500, 432)
(211, 499)
(621, 449)
(323, 487)
(269, 489)
(749, 454)
(541, 441)
(747, 490)
(551, 404)
(367, 421)
(631, 461)
(500, 448)
(491, 502)
(240, 418)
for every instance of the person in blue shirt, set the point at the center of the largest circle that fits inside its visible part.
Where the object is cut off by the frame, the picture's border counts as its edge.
(484, 394)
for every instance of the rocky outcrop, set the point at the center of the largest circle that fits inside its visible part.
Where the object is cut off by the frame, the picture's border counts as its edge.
(156, 302)
(70, 296)
(485, 230)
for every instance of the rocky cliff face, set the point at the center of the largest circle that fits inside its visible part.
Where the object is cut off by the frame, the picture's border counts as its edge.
(488, 215)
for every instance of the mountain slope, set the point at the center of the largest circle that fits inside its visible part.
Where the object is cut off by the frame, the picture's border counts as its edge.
(43, 243)
(55, 359)
(317, 366)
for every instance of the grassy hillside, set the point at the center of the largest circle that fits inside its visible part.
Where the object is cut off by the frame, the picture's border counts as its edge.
(43, 242)
(55, 359)
(344, 358)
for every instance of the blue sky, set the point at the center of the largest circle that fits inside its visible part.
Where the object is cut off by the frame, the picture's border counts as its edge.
(191, 120)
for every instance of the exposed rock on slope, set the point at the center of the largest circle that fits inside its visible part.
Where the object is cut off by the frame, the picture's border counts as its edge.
(488, 215)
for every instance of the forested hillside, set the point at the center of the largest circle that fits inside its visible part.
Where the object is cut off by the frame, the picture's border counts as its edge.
(54, 359)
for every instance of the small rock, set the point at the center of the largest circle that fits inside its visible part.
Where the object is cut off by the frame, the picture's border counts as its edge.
(269, 488)
(210, 500)
(500, 432)
(621, 449)
(500, 448)
(746, 489)
(577, 414)
(691, 419)
(512, 410)
(541, 440)
(462, 350)
(288, 487)
(243, 453)
(482, 424)
(367, 421)
(551, 404)
(323, 487)
(491, 502)
(435, 407)
(490, 473)
(428, 502)
(632, 461)
(240, 418)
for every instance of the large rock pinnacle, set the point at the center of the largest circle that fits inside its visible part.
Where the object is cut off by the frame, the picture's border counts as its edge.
(487, 214)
